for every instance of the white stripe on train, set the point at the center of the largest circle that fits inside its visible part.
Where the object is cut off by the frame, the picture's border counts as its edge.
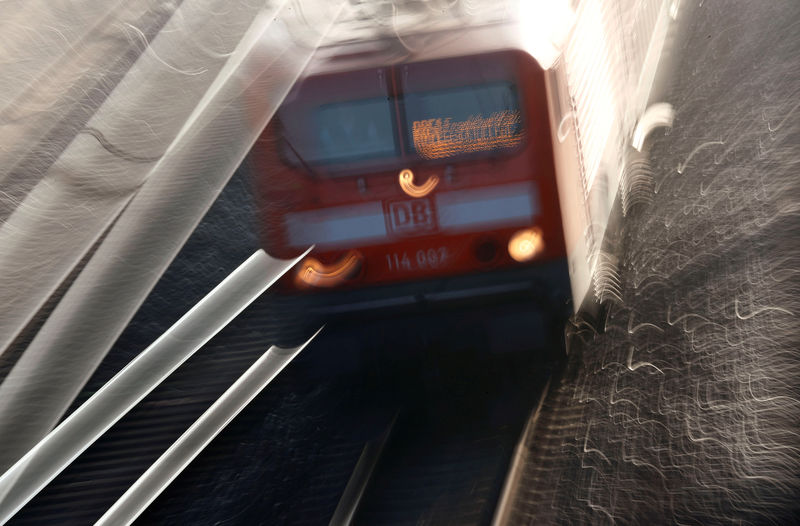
(475, 209)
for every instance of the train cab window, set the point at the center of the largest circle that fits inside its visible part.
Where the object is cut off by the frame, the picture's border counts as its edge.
(341, 132)
(330, 124)
(353, 130)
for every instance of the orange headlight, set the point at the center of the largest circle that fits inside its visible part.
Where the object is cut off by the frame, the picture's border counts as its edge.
(314, 273)
(526, 244)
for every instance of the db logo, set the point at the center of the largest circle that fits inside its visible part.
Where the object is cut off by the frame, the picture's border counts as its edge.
(411, 217)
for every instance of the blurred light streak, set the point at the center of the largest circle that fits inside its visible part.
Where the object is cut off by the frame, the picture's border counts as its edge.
(366, 20)
(80, 429)
(353, 493)
(519, 459)
(171, 198)
(589, 63)
(440, 138)
(659, 115)
(690, 391)
(191, 443)
(62, 189)
(525, 244)
(674, 8)
(45, 47)
(544, 26)
(314, 273)
(63, 22)
(406, 181)
(682, 166)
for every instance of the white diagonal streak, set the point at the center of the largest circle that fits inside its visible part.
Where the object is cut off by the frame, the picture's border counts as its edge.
(76, 433)
(181, 453)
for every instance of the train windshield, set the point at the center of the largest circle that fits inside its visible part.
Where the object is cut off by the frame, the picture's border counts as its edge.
(472, 121)
(354, 130)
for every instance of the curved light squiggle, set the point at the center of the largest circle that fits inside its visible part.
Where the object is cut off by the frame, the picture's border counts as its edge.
(406, 180)
(314, 273)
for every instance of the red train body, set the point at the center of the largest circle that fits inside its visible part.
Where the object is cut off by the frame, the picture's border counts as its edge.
(416, 170)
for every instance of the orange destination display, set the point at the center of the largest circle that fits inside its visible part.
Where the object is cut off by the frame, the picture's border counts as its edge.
(440, 138)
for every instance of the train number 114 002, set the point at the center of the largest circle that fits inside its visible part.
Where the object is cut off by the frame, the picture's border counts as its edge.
(422, 259)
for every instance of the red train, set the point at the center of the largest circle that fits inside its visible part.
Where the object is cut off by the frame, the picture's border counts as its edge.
(401, 170)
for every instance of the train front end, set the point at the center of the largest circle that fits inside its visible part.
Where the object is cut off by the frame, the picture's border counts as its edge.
(433, 175)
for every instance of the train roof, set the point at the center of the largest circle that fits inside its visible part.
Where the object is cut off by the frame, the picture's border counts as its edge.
(416, 47)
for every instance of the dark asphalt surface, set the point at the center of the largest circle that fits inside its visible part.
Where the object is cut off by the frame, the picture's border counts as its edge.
(684, 410)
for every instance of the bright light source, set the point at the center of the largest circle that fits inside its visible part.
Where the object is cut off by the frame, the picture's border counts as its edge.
(544, 28)
(526, 244)
(314, 273)
(406, 180)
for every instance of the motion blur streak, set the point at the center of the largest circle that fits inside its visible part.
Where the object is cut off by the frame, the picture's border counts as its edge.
(440, 138)
(54, 212)
(600, 88)
(269, 48)
(80, 429)
(52, 83)
(544, 27)
(686, 410)
(406, 180)
(657, 115)
(526, 244)
(164, 470)
(313, 273)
